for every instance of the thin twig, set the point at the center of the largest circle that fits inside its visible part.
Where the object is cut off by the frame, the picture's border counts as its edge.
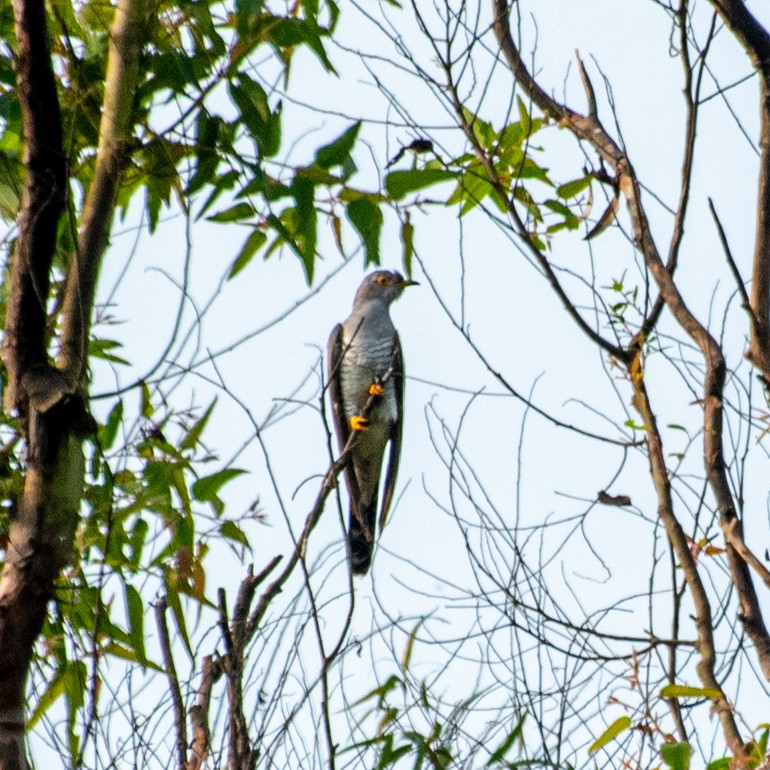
(746, 302)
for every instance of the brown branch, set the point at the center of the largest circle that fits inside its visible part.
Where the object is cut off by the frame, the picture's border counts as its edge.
(173, 682)
(746, 302)
(328, 485)
(489, 167)
(756, 42)
(691, 92)
(40, 537)
(211, 672)
(592, 131)
(681, 547)
(587, 87)
(748, 31)
(242, 755)
(127, 37)
(45, 184)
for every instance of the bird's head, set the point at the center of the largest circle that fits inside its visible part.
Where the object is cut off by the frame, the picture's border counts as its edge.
(382, 284)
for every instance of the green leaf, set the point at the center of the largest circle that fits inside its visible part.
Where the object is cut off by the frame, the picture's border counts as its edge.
(205, 489)
(380, 692)
(136, 541)
(193, 435)
(126, 653)
(505, 746)
(570, 220)
(400, 183)
(616, 728)
(263, 124)
(135, 609)
(676, 755)
(75, 683)
(171, 583)
(574, 188)
(147, 407)
(225, 182)
(51, 694)
(207, 158)
(723, 763)
(99, 348)
(109, 431)
(471, 189)
(232, 531)
(407, 238)
(483, 131)
(685, 691)
(366, 217)
(304, 193)
(246, 11)
(235, 213)
(291, 32)
(338, 151)
(407, 656)
(524, 116)
(252, 245)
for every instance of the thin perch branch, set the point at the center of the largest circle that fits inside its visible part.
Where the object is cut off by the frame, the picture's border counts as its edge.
(173, 682)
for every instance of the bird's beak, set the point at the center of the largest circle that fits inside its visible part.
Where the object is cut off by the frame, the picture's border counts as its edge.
(407, 282)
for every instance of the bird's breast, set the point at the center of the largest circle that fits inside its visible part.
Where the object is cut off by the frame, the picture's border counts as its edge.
(363, 365)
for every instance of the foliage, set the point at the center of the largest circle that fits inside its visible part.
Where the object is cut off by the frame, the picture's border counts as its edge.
(210, 143)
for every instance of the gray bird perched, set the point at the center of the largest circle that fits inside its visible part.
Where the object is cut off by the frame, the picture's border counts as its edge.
(365, 361)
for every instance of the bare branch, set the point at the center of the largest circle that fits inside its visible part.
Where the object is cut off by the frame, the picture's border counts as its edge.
(741, 286)
(173, 681)
(756, 42)
(211, 672)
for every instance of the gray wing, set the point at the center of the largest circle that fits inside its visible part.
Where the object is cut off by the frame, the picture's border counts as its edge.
(395, 430)
(335, 349)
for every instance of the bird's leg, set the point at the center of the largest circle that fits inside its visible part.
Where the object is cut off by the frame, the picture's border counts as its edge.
(359, 422)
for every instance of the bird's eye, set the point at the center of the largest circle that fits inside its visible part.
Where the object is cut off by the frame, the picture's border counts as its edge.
(383, 280)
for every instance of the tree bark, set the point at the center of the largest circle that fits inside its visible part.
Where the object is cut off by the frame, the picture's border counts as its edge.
(51, 400)
(34, 554)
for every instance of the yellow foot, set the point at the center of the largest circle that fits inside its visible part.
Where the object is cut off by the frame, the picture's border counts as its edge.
(376, 390)
(359, 423)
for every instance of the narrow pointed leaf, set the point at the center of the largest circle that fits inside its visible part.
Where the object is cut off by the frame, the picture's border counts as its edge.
(205, 489)
(337, 152)
(194, 433)
(685, 691)
(616, 728)
(367, 218)
(400, 183)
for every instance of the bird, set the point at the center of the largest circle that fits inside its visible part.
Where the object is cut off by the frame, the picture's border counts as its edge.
(365, 362)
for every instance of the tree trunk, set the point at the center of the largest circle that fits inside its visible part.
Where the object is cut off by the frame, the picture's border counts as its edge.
(50, 400)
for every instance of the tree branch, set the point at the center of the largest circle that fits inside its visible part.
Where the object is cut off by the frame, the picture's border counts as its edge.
(43, 201)
(173, 681)
(756, 42)
(593, 132)
(40, 535)
(115, 135)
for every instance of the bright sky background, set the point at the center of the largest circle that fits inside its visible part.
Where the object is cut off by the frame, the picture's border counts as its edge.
(528, 470)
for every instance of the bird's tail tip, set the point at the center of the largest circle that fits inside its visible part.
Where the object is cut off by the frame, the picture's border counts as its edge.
(361, 538)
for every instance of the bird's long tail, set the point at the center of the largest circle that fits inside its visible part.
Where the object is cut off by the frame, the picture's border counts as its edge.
(361, 536)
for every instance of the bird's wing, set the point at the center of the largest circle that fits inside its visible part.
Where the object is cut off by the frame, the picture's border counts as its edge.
(335, 350)
(397, 362)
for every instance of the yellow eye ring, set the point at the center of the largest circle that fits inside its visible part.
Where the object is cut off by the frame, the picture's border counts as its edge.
(383, 280)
